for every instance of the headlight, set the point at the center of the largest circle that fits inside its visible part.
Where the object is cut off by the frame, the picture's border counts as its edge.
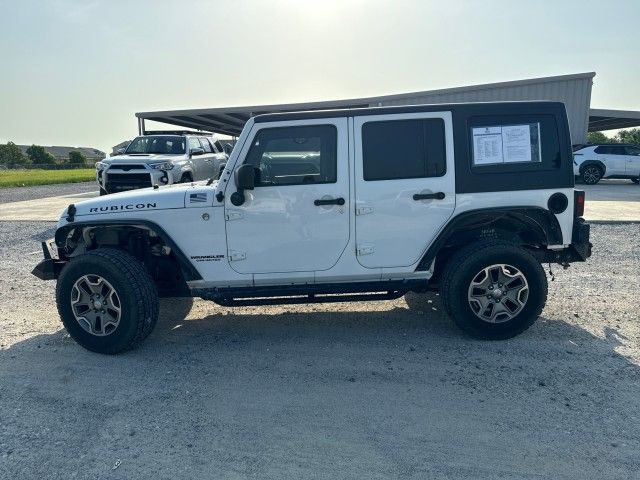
(101, 165)
(162, 166)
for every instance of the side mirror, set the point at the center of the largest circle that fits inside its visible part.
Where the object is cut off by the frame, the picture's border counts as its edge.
(197, 151)
(228, 148)
(120, 151)
(245, 178)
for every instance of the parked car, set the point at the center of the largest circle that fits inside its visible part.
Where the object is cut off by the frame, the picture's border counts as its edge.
(161, 159)
(336, 206)
(610, 160)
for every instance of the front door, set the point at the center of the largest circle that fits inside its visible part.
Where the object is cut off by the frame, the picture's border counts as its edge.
(404, 186)
(296, 219)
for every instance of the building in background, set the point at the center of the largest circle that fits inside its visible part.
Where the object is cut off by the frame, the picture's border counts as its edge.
(572, 90)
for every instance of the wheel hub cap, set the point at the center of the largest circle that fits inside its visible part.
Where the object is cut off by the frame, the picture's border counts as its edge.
(498, 293)
(96, 305)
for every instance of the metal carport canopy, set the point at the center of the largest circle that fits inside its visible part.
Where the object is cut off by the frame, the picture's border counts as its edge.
(230, 120)
(601, 119)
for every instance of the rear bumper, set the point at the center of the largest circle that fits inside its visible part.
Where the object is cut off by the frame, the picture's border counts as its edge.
(579, 249)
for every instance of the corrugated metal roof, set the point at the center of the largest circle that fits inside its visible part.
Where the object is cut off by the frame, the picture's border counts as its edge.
(573, 90)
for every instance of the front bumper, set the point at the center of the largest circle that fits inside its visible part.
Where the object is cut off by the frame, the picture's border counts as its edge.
(51, 266)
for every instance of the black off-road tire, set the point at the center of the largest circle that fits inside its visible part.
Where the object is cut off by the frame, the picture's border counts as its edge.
(136, 291)
(186, 178)
(591, 174)
(103, 192)
(465, 265)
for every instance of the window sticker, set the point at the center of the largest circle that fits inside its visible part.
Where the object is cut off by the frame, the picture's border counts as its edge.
(506, 144)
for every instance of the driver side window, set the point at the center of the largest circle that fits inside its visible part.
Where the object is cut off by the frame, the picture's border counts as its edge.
(294, 155)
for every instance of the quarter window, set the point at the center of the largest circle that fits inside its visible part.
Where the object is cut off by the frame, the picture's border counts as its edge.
(219, 146)
(294, 155)
(403, 149)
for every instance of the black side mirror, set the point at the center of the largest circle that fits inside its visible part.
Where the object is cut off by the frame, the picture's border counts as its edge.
(228, 148)
(197, 151)
(245, 178)
(120, 151)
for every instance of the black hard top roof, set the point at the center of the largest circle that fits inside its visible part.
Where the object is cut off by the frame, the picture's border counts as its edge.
(489, 107)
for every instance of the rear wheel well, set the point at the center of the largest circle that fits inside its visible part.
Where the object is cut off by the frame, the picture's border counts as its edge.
(515, 227)
(159, 258)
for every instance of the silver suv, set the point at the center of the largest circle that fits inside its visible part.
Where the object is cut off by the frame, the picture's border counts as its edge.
(591, 163)
(162, 159)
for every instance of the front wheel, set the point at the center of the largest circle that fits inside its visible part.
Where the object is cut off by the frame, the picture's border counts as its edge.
(494, 290)
(107, 300)
(591, 174)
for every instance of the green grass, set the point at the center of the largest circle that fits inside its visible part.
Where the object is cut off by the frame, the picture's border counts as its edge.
(28, 178)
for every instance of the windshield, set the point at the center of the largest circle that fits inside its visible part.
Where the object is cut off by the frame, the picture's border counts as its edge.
(169, 145)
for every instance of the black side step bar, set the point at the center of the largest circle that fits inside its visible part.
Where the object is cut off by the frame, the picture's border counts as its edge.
(311, 293)
(311, 298)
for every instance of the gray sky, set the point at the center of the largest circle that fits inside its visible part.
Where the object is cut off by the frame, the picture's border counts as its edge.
(75, 71)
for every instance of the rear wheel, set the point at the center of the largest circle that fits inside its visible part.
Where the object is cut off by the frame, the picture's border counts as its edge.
(636, 180)
(494, 290)
(107, 300)
(591, 174)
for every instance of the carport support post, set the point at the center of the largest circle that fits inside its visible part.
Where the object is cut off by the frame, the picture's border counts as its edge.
(141, 126)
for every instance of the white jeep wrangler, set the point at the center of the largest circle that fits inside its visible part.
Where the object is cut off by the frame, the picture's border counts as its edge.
(162, 158)
(335, 206)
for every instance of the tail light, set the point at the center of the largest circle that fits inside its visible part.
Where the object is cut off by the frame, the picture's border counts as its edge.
(578, 203)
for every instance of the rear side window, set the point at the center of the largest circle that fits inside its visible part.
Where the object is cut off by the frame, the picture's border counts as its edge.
(403, 149)
(514, 143)
(206, 145)
(633, 150)
(294, 155)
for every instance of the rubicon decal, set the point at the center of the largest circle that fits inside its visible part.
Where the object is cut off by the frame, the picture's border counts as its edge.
(129, 206)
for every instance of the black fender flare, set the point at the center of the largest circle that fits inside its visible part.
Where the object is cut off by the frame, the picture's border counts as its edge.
(188, 270)
(598, 163)
(542, 224)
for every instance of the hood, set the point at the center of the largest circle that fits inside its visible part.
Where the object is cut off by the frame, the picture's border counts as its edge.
(134, 203)
(141, 158)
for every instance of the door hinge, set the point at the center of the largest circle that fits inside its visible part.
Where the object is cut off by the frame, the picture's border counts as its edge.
(231, 215)
(235, 256)
(364, 250)
(364, 210)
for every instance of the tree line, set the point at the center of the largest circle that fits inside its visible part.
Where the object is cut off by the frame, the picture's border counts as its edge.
(623, 136)
(11, 155)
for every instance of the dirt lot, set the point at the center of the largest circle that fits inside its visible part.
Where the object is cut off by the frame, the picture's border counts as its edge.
(377, 390)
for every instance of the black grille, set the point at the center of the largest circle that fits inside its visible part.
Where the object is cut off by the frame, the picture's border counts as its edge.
(127, 181)
(126, 167)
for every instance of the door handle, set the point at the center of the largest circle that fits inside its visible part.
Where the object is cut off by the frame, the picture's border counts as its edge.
(329, 201)
(429, 196)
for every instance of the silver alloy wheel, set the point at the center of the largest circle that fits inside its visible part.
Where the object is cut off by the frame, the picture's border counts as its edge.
(591, 175)
(95, 305)
(498, 293)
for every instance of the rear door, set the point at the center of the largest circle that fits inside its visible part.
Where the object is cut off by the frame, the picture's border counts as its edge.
(208, 163)
(404, 186)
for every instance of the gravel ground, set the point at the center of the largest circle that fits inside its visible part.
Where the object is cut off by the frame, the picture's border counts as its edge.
(379, 390)
(42, 191)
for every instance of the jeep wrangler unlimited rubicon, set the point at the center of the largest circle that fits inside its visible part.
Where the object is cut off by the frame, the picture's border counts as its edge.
(335, 206)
